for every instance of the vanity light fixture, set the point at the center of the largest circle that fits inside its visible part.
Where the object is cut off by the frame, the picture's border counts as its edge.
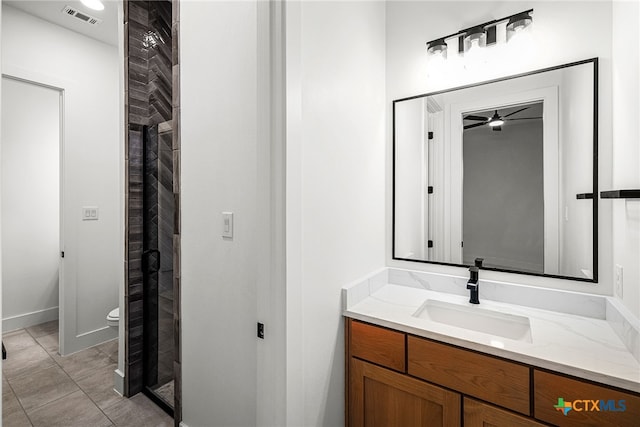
(481, 35)
(475, 37)
(518, 25)
(436, 47)
(93, 4)
(519, 21)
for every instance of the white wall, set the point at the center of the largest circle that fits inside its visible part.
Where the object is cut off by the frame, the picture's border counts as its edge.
(220, 143)
(335, 196)
(335, 205)
(30, 203)
(87, 70)
(410, 179)
(558, 37)
(626, 147)
(576, 172)
(1, 270)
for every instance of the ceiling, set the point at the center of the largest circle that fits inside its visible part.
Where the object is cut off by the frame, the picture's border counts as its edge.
(51, 10)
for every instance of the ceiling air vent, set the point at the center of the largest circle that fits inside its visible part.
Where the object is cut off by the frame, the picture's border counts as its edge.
(81, 15)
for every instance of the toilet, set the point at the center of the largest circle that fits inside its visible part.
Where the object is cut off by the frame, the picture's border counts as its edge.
(113, 317)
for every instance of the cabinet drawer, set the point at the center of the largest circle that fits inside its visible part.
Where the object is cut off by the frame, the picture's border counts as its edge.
(478, 414)
(591, 405)
(497, 381)
(378, 345)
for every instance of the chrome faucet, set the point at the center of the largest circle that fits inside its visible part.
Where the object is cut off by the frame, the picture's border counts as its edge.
(473, 285)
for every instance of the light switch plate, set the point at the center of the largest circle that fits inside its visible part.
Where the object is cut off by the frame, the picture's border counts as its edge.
(90, 213)
(227, 225)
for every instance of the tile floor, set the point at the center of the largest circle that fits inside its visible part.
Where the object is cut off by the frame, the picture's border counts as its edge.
(41, 388)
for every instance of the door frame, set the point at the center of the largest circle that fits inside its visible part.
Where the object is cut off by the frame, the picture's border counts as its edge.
(36, 79)
(551, 160)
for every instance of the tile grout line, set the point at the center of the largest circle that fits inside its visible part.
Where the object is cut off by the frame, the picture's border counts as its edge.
(113, 423)
(61, 368)
(18, 400)
(26, 413)
(67, 375)
(30, 372)
(56, 364)
(81, 389)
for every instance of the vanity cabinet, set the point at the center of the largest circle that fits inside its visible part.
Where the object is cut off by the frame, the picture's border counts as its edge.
(588, 401)
(382, 397)
(480, 414)
(397, 379)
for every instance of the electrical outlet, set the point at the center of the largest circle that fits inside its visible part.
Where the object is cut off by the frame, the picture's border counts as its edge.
(260, 330)
(619, 280)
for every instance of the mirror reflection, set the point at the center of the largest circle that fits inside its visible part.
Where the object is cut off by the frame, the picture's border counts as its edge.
(501, 171)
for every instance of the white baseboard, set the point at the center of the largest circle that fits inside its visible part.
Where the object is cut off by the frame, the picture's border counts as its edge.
(29, 319)
(118, 381)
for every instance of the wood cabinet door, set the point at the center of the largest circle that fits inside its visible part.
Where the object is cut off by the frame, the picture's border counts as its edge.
(568, 402)
(381, 397)
(478, 414)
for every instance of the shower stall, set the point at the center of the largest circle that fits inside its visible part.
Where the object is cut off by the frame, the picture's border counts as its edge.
(157, 263)
(152, 359)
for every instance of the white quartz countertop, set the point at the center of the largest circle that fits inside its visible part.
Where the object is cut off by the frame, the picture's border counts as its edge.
(578, 345)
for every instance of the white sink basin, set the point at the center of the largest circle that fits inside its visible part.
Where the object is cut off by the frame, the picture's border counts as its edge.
(476, 319)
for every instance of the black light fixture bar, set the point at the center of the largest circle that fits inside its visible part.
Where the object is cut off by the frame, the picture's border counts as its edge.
(489, 27)
(621, 194)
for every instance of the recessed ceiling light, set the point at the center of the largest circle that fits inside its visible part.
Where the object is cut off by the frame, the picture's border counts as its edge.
(93, 4)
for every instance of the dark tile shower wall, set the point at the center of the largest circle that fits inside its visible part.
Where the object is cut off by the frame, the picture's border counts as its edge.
(152, 100)
(160, 78)
(150, 69)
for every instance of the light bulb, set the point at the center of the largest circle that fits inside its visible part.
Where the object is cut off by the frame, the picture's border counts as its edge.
(93, 4)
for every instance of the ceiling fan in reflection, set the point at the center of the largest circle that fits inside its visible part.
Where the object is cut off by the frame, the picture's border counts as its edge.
(496, 121)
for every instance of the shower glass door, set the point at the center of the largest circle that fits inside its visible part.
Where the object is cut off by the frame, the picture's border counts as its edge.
(157, 259)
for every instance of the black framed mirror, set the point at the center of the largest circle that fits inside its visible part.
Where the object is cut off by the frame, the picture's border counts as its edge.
(504, 170)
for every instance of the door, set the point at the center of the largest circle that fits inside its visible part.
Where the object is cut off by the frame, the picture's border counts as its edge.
(381, 397)
(485, 99)
(157, 265)
(31, 203)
